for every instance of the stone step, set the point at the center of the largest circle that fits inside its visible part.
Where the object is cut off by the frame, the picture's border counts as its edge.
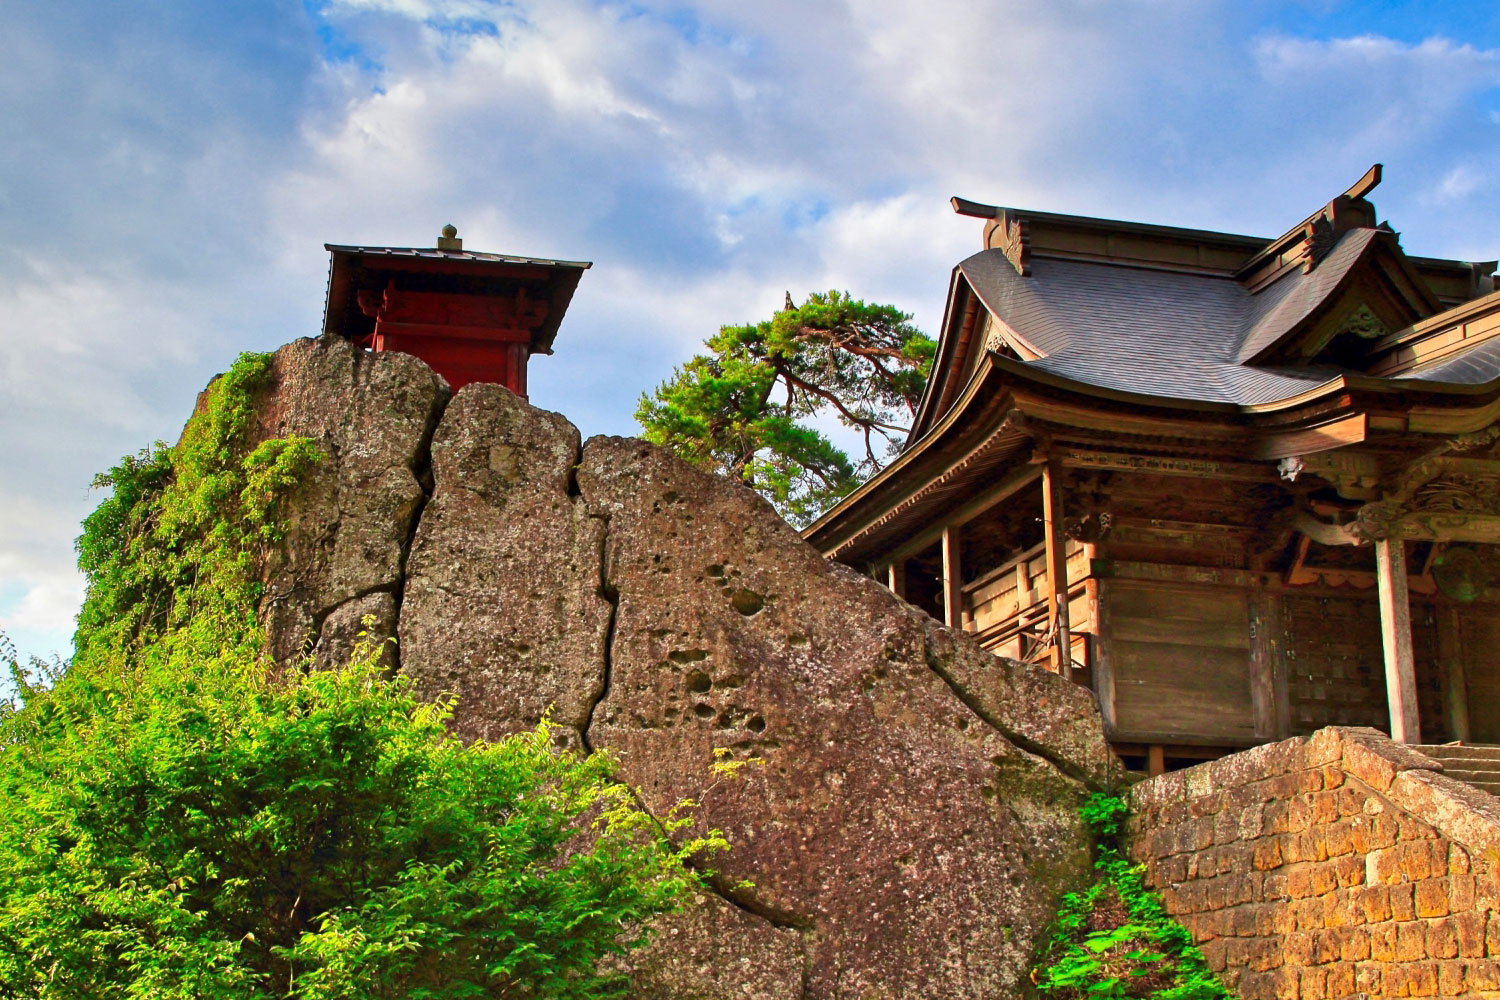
(1473, 751)
(1476, 765)
(1473, 777)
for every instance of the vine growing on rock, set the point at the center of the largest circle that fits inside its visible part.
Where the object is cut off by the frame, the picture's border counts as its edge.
(184, 820)
(1115, 940)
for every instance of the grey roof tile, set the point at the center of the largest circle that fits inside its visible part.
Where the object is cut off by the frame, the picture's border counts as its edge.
(1173, 334)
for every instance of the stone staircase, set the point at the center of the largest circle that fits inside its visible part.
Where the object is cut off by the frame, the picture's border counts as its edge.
(1477, 764)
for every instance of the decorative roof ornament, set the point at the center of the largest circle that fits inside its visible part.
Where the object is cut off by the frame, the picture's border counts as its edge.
(449, 240)
(1012, 237)
(1321, 238)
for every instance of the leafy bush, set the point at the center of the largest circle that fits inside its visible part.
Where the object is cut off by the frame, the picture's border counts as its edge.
(184, 820)
(1114, 940)
(227, 835)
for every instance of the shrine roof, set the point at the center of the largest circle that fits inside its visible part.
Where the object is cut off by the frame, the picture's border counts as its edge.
(1185, 316)
(1177, 335)
(429, 253)
(353, 269)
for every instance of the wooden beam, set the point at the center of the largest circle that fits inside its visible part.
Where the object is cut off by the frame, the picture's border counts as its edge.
(895, 575)
(1156, 760)
(953, 583)
(1008, 487)
(1455, 679)
(1395, 634)
(1057, 572)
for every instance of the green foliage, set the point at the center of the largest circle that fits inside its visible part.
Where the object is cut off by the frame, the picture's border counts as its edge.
(321, 836)
(743, 409)
(183, 820)
(173, 550)
(1114, 940)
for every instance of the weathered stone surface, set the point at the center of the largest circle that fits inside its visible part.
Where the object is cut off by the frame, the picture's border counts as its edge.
(372, 416)
(345, 627)
(715, 951)
(907, 817)
(502, 604)
(922, 850)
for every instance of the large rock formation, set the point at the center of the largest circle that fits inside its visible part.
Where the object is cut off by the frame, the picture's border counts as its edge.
(906, 819)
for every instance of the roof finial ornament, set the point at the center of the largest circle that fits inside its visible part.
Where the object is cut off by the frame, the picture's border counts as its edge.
(449, 240)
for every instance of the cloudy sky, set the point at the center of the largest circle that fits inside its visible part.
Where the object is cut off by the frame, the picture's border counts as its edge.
(169, 172)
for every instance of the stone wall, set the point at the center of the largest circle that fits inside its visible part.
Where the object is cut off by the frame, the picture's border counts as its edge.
(1333, 865)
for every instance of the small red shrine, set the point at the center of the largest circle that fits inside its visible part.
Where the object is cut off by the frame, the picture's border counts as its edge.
(473, 317)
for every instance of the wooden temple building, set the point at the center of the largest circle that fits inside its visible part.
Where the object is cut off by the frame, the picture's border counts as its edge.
(472, 316)
(1241, 488)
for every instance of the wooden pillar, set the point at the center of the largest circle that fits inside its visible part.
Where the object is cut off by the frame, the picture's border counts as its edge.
(1156, 760)
(953, 582)
(1057, 572)
(1101, 665)
(1262, 664)
(1455, 683)
(1395, 634)
(895, 575)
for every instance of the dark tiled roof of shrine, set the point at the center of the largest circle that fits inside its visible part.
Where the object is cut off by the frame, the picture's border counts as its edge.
(1174, 334)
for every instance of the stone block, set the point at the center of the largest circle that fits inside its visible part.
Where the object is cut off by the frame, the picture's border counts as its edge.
(1468, 928)
(1383, 867)
(1422, 979)
(1299, 814)
(1369, 978)
(1383, 942)
(1338, 838)
(1352, 800)
(1482, 974)
(1452, 978)
(1354, 944)
(1460, 892)
(1375, 900)
(1324, 879)
(1351, 870)
(1267, 854)
(1275, 817)
(1326, 946)
(1324, 747)
(1415, 860)
(1402, 906)
(1442, 938)
(1431, 897)
(1411, 941)
(1298, 948)
(1341, 980)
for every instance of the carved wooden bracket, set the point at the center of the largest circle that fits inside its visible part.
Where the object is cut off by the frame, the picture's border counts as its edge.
(1011, 235)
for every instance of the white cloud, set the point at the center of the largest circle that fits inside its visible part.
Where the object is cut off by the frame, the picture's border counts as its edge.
(171, 179)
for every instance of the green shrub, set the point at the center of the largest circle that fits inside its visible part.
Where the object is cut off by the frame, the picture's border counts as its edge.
(183, 820)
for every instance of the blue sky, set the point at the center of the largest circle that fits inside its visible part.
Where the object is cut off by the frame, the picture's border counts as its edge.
(169, 172)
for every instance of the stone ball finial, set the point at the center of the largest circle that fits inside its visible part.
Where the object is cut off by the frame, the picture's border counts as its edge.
(449, 240)
(450, 231)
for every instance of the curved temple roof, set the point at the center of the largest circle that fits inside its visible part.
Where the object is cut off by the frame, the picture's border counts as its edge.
(1211, 342)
